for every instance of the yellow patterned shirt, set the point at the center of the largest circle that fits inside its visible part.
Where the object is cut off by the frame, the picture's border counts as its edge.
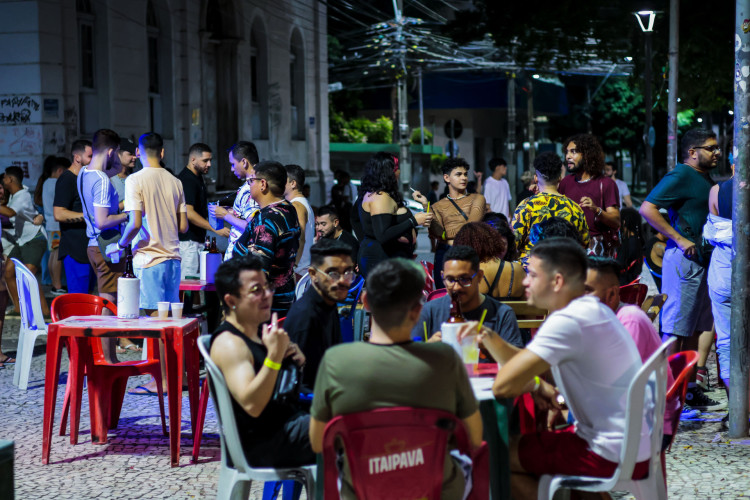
(540, 207)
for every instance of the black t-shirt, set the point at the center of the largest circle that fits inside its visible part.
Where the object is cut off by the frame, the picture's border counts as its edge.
(349, 239)
(73, 239)
(197, 196)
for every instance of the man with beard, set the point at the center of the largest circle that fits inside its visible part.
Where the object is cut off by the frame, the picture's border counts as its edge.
(327, 225)
(595, 193)
(462, 276)
(313, 321)
(196, 200)
(684, 193)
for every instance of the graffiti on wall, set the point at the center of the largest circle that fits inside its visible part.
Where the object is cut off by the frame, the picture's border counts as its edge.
(19, 109)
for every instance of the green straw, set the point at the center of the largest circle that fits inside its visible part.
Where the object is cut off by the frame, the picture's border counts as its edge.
(481, 321)
(425, 330)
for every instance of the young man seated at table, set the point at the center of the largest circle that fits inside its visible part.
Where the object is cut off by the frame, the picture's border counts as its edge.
(273, 434)
(603, 282)
(593, 360)
(313, 320)
(392, 370)
(462, 276)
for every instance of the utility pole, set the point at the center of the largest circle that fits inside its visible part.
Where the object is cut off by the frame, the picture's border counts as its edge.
(740, 322)
(530, 117)
(511, 140)
(674, 52)
(403, 105)
(648, 134)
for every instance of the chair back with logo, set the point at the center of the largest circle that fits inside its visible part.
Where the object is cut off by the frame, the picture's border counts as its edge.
(398, 453)
(634, 293)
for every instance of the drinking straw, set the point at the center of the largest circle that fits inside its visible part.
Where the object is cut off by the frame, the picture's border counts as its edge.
(424, 323)
(481, 321)
(428, 207)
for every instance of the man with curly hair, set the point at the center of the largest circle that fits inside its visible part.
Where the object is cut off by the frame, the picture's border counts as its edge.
(596, 193)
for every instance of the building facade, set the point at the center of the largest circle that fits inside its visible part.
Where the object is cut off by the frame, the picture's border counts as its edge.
(213, 71)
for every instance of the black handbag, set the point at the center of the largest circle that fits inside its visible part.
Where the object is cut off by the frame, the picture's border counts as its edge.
(288, 383)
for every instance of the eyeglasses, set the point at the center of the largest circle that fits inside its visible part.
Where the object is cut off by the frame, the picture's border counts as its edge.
(348, 276)
(259, 290)
(710, 149)
(250, 180)
(463, 280)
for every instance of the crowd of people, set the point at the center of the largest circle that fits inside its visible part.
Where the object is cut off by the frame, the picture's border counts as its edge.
(567, 247)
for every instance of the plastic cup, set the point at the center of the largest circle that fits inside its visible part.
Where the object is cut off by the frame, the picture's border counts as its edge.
(449, 333)
(163, 310)
(470, 353)
(177, 310)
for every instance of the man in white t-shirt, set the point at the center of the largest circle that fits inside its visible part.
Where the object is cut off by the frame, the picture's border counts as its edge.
(611, 171)
(295, 179)
(496, 188)
(593, 359)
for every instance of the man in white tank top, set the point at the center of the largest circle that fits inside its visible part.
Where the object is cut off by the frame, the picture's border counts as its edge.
(295, 179)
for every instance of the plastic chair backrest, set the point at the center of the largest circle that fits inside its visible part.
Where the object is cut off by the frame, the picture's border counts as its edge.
(436, 294)
(634, 293)
(392, 452)
(681, 364)
(230, 437)
(28, 296)
(652, 377)
(83, 304)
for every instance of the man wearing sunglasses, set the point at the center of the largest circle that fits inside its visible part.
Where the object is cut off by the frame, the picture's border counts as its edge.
(313, 320)
(461, 275)
(683, 192)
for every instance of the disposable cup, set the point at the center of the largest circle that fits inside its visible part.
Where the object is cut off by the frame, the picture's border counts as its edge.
(163, 310)
(470, 353)
(449, 334)
(177, 310)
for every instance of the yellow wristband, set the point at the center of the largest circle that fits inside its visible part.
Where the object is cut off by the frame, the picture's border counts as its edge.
(537, 383)
(274, 365)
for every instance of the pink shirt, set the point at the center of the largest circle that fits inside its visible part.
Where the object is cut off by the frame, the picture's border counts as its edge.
(647, 341)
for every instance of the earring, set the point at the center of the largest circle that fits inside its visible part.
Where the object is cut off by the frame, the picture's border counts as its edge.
(234, 307)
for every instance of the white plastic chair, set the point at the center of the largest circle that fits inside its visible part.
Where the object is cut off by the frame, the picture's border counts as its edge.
(32, 323)
(302, 285)
(235, 479)
(646, 401)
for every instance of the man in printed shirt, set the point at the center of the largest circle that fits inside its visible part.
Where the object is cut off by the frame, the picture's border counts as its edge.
(273, 233)
(243, 157)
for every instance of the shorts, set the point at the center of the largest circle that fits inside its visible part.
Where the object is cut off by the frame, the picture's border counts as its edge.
(190, 253)
(564, 452)
(159, 283)
(31, 252)
(721, 305)
(688, 307)
(106, 273)
(78, 275)
(53, 240)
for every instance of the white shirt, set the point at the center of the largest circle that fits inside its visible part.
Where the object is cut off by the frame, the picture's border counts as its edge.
(497, 194)
(23, 204)
(593, 360)
(48, 199)
(622, 187)
(304, 261)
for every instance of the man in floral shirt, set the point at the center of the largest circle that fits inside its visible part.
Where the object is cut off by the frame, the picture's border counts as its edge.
(273, 233)
(548, 202)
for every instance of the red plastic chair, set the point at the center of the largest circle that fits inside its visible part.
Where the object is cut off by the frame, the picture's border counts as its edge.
(635, 293)
(429, 282)
(375, 442)
(436, 294)
(682, 365)
(202, 408)
(107, 382)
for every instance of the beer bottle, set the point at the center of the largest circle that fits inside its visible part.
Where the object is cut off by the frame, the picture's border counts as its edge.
(456, 315)
(213, 248)
(129, 273)
(207, 244)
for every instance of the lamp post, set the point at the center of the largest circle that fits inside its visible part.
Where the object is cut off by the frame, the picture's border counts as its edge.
(646, 20)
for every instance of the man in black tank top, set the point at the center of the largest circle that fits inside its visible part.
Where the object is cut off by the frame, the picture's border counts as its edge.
(273, 433)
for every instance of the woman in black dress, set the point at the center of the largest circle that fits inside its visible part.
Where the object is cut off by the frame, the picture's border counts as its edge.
(388, 227)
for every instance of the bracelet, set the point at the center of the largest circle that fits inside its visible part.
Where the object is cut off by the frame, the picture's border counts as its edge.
(599, 212)
(537, 383)
(272, 364)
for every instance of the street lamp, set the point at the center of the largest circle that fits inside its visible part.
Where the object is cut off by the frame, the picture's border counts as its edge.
(646, 20)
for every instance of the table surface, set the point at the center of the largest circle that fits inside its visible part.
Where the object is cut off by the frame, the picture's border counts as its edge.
(197, 285)
(482, 387)
(113, 322)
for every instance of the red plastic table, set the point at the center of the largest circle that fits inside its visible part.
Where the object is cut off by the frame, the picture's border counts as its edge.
(196, 286)
(179, 337)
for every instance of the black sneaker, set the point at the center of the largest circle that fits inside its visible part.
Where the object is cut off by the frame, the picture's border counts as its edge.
(701, 378)
(698, 400)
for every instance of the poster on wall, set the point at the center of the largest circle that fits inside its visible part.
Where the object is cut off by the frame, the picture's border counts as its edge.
(22, 145)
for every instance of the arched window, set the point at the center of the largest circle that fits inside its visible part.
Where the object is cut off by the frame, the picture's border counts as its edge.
(87, 95)
(259, 81)
(297, 87)
(159, 68)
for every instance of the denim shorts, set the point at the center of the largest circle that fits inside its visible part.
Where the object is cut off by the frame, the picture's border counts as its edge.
(688, 307)
(159, 283)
